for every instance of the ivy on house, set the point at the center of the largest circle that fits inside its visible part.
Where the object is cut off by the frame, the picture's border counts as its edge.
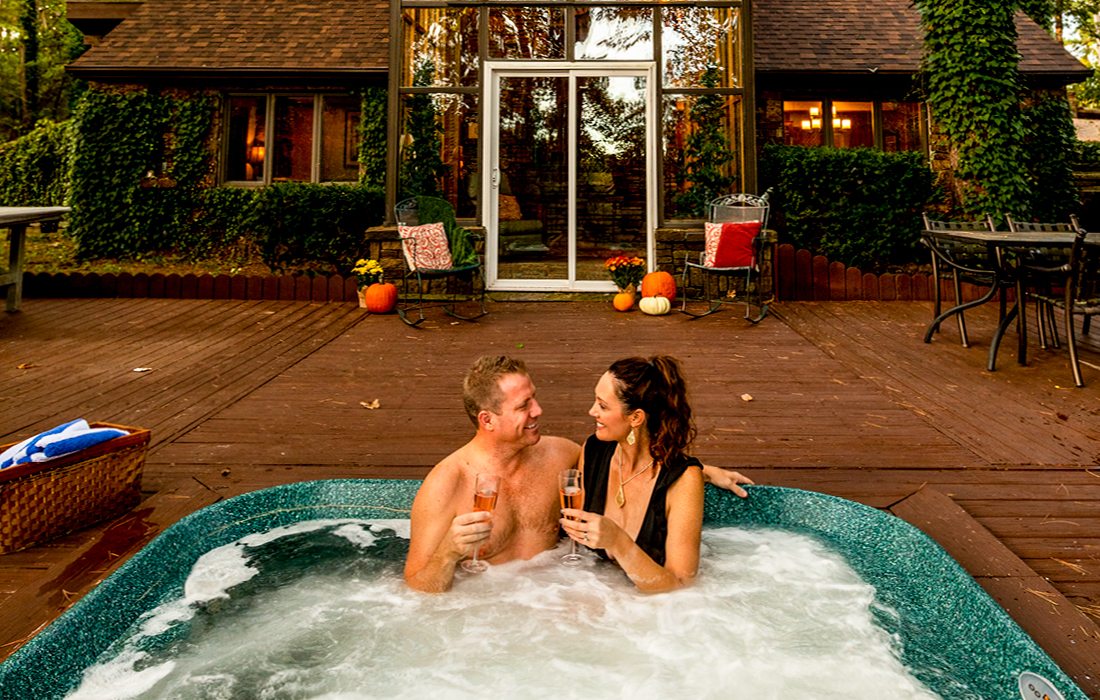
(971, 76)
(35, 169)
(372, 138)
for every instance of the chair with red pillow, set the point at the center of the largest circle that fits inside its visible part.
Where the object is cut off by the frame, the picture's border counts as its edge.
(732, 259)
(435, 247)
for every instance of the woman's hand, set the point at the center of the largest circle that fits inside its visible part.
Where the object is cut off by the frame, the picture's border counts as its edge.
(726, 479)
(591, 530)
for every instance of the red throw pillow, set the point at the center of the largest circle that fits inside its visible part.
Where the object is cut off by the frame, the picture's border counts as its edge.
(729, 244)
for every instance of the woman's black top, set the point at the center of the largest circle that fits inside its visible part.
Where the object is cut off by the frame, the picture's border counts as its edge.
(597, 474)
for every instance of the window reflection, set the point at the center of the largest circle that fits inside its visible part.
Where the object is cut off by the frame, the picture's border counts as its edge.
(440, 47)
(293, 139)
(246, 143)
(678, 129)
(439, 149)
(614, 33)
(695, 38)
(901, 129)
(340, 138)
(526, 32)
(802, 125)
(853, 124)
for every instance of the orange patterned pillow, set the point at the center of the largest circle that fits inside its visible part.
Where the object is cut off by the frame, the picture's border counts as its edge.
(425, 246)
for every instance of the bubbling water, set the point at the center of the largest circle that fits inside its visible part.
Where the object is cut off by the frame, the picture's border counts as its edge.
(319, 610)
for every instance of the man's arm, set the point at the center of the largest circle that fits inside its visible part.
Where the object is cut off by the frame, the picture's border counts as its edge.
(440, 538)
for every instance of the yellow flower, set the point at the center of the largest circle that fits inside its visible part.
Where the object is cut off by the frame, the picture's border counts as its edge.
(367, 271)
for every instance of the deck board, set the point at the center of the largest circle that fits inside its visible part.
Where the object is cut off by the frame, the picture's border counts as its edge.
(842, 398)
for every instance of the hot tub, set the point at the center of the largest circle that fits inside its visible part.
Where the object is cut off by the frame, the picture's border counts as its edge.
(946, 620)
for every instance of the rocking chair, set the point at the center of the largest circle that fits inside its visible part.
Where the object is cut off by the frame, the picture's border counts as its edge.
(435, 247)
(735, 264)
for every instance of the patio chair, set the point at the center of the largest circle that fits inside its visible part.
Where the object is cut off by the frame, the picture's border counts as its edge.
(435, 247)
(1076, 293)
(736, 261)
(957, 262)
(1037, 259)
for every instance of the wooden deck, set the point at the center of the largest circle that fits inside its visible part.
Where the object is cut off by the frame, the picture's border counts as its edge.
(1001, 468)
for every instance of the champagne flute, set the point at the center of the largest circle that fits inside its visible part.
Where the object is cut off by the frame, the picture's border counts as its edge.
(571, 488)
(486, 487)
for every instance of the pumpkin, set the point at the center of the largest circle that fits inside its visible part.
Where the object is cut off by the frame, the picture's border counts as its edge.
(381, 297)
(623, 301)
(659, 284)
(655, 306)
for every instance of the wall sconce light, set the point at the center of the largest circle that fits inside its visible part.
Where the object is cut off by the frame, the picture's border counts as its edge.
(815, 111)
(806, 124)
(836, 123)
(815, 123)
(845, 124)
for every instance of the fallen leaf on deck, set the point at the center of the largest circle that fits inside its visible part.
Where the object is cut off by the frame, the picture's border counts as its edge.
(371, 405)
(746, 397)
(143, 369)
(26, 365)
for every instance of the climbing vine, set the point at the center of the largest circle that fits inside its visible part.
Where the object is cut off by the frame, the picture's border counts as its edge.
(973, 87)
(372, 138)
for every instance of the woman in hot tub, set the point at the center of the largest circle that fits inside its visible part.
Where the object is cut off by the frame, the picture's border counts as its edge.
(643, 494)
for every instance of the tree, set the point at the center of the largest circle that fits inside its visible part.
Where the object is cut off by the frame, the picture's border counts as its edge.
(422, 165)
(36, 42)
(707, 153)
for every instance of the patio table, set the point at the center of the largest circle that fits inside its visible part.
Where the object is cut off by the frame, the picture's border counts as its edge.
(1006, 275)
(16, 220)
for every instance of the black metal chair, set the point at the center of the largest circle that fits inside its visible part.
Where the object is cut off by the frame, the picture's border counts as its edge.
(435, 247)
(1036, 283)
(749, 280)
(958, 262)
(1076, 293)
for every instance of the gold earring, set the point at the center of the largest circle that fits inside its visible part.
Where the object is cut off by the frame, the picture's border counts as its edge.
(630, 439)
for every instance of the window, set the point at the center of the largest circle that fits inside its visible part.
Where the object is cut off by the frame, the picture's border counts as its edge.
(889, 126)
(292, 138)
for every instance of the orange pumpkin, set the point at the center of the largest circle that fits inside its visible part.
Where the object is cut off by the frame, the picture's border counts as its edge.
(623, 301)
(381, 297)
(659, 284)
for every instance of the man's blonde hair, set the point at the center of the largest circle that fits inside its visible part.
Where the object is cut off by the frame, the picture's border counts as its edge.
(481, 386)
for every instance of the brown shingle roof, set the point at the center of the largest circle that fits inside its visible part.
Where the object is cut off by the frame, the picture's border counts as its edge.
(247, 35)
(882, 36)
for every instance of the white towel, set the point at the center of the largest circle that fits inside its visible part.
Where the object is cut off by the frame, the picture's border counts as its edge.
(56, 442)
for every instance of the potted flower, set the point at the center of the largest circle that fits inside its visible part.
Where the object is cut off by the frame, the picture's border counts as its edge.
(626, 272)
(375, 295)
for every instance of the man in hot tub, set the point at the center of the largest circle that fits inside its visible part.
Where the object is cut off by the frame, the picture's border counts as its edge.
(499, 398)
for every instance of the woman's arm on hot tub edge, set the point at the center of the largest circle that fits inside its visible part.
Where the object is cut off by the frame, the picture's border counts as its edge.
(726, 479)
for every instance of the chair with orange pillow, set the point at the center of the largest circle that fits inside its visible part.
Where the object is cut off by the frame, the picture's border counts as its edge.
(733, 258)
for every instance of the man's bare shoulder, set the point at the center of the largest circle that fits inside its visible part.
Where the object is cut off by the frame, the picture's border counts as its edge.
(559, 452)
(445, 477)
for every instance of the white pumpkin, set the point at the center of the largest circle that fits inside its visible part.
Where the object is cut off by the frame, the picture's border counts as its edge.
(655, 306)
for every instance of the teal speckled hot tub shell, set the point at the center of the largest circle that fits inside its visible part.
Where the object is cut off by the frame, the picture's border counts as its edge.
(946, 619)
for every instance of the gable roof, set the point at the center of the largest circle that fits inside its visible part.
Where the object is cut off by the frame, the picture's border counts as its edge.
(245, 36)
(839, 36)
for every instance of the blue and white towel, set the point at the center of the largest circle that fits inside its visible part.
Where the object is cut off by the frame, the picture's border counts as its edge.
(64, 439)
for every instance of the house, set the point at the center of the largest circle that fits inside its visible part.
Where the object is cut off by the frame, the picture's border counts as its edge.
(581, 121)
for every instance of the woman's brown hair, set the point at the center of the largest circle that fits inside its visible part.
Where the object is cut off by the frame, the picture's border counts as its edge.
(656, 386)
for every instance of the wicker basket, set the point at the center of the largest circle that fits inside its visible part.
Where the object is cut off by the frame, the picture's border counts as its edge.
(43, 500)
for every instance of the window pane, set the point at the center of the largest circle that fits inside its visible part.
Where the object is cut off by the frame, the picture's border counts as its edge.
(526, 32)
(438, 143)
(901, 126)
(853, 125)
(615, 33)
(340, 138)
(440, 47)
(695, 125)
(245, 148)
(293, 139)
(802, 124)
(694, 38)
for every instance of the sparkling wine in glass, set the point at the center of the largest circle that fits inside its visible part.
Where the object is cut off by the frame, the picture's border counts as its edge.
(486, 487)
(571, 488)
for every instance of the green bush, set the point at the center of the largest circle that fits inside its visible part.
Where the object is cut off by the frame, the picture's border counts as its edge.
(858, 206)
(299, 224)
(1086, 156)
(35, 170)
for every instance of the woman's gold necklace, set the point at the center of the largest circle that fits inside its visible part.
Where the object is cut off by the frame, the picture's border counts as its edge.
(620, 497)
